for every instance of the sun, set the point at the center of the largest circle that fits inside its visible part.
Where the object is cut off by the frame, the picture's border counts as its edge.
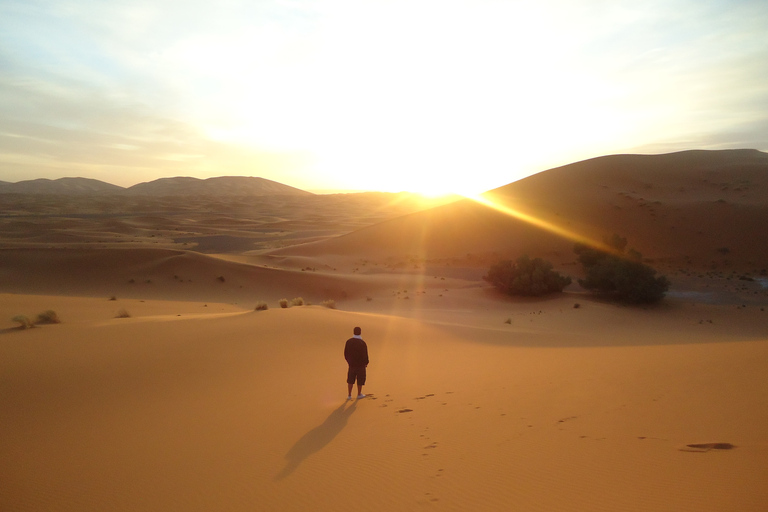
(435, 194)
(429, 188)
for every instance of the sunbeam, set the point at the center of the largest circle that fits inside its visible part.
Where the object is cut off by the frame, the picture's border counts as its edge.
(541, 223)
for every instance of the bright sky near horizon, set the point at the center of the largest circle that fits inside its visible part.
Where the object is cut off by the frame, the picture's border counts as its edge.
(429, 96)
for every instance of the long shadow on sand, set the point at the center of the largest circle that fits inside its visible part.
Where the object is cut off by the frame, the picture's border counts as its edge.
(316, 439)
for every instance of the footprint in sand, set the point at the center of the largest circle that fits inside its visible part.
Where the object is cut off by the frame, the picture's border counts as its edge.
(705, 447)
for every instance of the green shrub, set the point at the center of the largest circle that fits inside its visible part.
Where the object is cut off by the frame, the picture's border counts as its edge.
(618, 274)
(48, 317)
(526, 277)
(23, 321)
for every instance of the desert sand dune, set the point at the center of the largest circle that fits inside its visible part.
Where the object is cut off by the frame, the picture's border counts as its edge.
(683, 208)
(164, 389)
(191, 222)
(246, 410)
(157, 273)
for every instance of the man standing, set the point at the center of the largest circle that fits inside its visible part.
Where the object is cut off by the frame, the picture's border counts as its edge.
(356, 354)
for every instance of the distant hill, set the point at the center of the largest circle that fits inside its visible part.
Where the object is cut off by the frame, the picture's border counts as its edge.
(220, 186)
(61, 186)
(689, 208)
(180, 186)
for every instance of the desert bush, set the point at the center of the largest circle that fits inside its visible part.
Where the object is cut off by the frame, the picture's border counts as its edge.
(330, 304)
(526, 277)
(23, 321)
(261, 306)
(619, 274)
(283, 303)
(297, 301)
(48, 317)
(123, 314)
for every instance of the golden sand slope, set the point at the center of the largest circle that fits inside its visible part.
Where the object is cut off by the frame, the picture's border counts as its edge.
(188, 407)
(698, 209)
(478, 402)
(184, 275)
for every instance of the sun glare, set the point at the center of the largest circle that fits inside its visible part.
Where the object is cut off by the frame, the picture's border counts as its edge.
(540, 223)
(389, 122)
(433, 194)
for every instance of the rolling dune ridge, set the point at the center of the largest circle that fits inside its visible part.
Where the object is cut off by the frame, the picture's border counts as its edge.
(164, 389)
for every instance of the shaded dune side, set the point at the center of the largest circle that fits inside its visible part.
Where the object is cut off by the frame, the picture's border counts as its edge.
(165, 274)
(448, 231)
(683, 207)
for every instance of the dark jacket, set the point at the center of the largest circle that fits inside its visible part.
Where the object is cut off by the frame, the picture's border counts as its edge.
(356, 352)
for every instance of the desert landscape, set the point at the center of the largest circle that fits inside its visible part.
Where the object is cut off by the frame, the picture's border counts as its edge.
(171, 377)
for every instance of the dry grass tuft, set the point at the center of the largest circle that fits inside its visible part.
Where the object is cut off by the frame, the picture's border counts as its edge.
(123, 314)
(283, 303)
(330, 304)
(261, 306)
(297, 301)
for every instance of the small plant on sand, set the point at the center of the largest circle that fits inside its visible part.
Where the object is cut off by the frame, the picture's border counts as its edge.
(261, 306)
(283, 303)
(123, 314)
(113, 297)
(48, 317)
(23, 321)
(297, 301)
(330, 304)
(526, 277)
(618, 274)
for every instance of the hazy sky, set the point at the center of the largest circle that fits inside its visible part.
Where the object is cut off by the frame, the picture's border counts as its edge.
(393, 95)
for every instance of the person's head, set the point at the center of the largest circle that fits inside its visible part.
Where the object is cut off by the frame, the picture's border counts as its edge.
(357, 331)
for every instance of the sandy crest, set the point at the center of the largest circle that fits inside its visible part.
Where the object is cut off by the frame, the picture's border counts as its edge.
(694, 210)
(478, 401)
(195, 407)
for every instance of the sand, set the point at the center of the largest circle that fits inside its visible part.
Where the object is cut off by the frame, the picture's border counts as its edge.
(476, 401)
(199, 407)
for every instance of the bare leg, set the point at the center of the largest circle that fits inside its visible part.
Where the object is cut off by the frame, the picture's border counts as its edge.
(359, 389)
(349, 389)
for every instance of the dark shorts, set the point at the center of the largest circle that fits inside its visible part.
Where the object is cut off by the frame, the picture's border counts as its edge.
(356, 373)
